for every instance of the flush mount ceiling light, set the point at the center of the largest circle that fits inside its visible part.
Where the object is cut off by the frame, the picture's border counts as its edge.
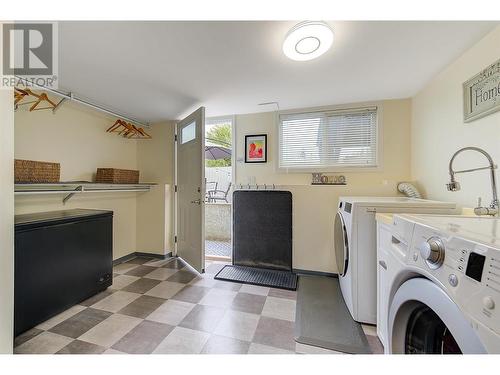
(308, 40)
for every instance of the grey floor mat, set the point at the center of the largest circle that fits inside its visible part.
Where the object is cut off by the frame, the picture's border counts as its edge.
(323, 320)
(258, 276)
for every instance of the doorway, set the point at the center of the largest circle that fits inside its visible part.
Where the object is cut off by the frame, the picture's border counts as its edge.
(219, 183)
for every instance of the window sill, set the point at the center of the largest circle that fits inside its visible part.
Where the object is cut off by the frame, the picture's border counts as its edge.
(330, 170)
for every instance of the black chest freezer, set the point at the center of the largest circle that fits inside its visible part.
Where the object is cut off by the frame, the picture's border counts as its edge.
(61, 258)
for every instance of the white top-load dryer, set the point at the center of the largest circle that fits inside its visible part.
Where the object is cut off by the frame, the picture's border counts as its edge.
(440, 284)
(355, 245)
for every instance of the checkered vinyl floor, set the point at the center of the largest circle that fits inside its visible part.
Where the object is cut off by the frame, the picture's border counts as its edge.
(162, 306)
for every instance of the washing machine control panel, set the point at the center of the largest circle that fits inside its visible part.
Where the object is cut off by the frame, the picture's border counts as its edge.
(475, 266)
(468, 271)
(432, 252)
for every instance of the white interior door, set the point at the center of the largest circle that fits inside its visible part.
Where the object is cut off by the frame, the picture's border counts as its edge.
(190, 186)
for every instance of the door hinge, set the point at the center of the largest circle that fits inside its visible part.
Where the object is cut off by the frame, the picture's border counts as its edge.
(175, 239)
(175, 188)
(175, 138)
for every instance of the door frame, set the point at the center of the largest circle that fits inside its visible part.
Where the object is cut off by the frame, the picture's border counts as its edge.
(176, 198)
(233, 161)
(202, 186)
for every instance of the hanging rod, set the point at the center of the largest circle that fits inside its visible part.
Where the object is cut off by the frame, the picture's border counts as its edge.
(72, 97)
(72, 188)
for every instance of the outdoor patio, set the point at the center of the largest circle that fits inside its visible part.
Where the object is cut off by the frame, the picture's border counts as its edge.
(218, 212)
(218, 248)
(218, 229)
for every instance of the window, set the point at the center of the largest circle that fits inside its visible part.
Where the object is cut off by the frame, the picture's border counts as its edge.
(188, 132)
(321, 140)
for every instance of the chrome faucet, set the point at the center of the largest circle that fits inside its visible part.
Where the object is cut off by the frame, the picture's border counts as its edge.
(453, 185)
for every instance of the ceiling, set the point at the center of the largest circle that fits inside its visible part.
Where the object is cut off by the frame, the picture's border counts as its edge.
(156, 71)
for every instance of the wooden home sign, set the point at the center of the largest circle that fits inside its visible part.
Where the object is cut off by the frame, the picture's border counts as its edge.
(482, 93)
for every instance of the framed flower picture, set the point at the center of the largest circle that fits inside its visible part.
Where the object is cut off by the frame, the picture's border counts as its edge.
(256, 148)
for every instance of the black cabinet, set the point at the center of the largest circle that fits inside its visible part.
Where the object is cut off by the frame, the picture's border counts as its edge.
(61, 259)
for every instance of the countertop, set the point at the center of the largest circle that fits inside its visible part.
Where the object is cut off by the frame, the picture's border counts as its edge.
(387, 217)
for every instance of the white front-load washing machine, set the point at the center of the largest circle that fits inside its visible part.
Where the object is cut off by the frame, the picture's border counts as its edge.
(355, 245)
(441, 286)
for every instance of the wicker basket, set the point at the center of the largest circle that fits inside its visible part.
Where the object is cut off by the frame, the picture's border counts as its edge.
(36, 171)
(117, 176)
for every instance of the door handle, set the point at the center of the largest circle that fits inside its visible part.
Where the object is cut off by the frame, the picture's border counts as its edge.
(196, 201)
(383, 264)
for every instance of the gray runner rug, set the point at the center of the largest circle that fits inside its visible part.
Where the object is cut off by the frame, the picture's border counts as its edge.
(323, 320)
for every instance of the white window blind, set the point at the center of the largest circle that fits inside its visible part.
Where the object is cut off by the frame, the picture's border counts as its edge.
(346, 138)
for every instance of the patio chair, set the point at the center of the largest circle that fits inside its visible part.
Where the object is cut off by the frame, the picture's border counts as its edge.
(210, 190)
(220, 195)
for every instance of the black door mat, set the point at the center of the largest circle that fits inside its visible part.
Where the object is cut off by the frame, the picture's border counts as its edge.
(258, 276)
(322, 318)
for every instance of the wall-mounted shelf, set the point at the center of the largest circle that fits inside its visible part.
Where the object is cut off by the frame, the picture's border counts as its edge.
(78, 187)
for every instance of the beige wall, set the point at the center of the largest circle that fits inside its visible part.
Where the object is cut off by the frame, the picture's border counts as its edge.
(75, 137)
(6, 221)
(155, 209)
(314, 207)
(438, 129)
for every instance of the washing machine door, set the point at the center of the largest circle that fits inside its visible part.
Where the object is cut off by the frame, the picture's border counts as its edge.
(341, 244)
(423, 319)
